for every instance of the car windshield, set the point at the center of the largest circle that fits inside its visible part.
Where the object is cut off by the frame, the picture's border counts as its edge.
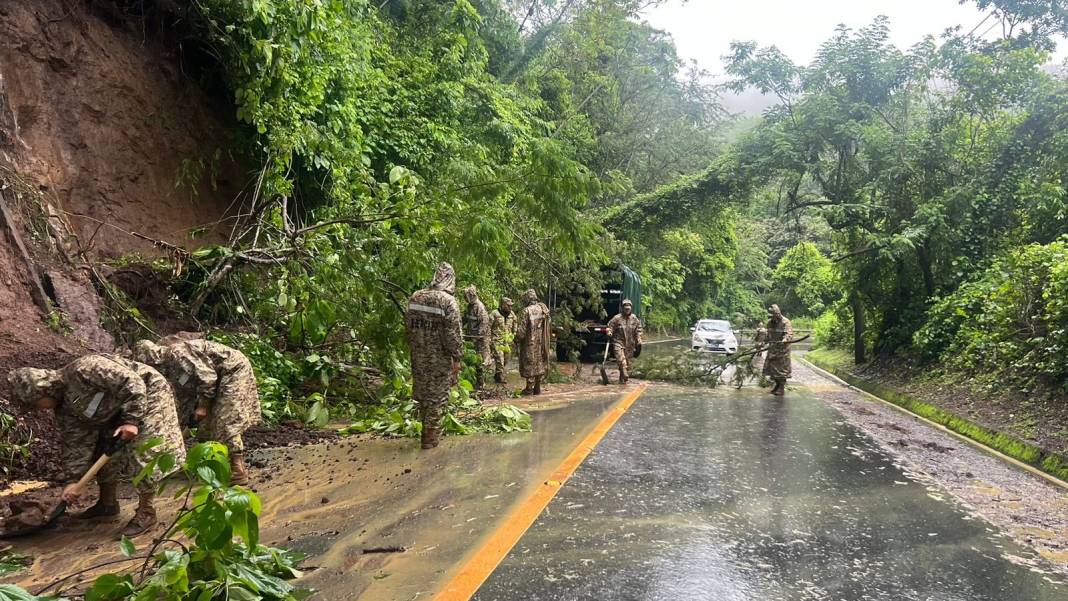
(714, 326)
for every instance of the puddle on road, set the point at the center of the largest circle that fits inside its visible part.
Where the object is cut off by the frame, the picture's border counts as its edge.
(733, 495)
(334, 501)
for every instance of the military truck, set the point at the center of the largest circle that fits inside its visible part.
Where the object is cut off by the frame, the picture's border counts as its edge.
(584, 302)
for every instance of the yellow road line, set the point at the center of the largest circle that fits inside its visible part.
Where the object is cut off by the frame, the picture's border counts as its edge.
(478, 568)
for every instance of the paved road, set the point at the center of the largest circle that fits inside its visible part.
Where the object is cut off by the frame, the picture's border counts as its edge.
(733, 495)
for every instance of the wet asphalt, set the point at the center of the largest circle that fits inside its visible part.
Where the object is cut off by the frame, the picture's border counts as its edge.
(734, 495)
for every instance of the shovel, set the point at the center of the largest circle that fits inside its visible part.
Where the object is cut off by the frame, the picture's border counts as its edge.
(60, 509)
(604, 374)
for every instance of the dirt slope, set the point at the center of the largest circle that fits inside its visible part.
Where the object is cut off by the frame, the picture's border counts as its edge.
(102, 120)
(97, 121)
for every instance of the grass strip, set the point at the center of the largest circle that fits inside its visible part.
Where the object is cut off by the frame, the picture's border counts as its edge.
(1051, 463)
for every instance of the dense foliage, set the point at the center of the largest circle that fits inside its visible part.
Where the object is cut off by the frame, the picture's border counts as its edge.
(928, 168)
(533, 143)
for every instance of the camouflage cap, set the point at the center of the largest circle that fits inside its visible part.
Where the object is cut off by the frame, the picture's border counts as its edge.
(29, 384)
(471, 293)
(148, 352)
(627, 303)
(506, 301)
(444, 279)
(529, 297)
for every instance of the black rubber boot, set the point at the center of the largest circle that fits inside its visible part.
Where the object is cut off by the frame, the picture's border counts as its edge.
(780, 388)
(537, 386)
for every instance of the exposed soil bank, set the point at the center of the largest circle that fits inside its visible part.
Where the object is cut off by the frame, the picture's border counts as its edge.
(1029, 508)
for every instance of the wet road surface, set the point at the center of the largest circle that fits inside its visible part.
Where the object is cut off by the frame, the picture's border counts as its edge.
(734, 495)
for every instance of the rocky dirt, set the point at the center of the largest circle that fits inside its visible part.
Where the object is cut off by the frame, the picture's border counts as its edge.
(1029, 508)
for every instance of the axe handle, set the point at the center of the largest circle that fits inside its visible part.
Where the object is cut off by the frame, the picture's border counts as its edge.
(92, 472)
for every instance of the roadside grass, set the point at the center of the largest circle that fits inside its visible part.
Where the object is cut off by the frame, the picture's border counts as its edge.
(837, 362)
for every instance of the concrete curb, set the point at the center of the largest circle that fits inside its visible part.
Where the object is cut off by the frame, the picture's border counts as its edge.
(974, 443)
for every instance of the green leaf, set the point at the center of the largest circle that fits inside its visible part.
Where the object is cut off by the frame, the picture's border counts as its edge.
(396, 174)
(127, 547)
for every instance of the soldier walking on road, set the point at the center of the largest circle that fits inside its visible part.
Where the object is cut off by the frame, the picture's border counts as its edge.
(502, 330)
(625, 336)
(435, 341)
(533, 335)
(777, 365)
(98, 399)
(215, 386)
(477, 329)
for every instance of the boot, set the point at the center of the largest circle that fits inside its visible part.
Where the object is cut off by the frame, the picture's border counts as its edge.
(238, 471)
(431, 436)
(145, 516)
(529, 389)
(622, 376)
(498, 378)
(537, 386)
(107, 505)
(780, 388)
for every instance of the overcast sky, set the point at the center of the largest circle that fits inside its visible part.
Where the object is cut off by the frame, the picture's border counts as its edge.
(704, 29)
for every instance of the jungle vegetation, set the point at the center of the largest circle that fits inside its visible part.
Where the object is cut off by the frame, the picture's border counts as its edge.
(907, 202)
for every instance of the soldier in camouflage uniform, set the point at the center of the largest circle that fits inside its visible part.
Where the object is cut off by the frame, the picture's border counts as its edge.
(97, 398)
(215, 385)
(777, 365)
(502, 330)
(435, 340)
(477, 329)
(533, 335)
(625, 336)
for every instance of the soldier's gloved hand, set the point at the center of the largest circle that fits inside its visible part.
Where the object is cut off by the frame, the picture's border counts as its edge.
(126, 432)
(71, 494)
(201, 413)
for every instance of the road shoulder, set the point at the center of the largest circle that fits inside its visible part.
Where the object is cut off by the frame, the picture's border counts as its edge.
(1027, 507)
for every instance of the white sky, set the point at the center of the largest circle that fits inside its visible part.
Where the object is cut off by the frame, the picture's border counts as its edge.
(704, 29)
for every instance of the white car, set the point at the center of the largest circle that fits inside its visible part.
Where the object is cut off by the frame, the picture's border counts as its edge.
(714, 336)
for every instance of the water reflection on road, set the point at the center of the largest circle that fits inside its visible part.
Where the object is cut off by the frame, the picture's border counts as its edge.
(732, 494)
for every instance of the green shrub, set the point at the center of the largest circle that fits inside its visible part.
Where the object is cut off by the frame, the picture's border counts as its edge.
(1011, 322)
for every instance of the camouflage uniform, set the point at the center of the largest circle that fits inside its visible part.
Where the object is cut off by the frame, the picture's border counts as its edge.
(533, 336)
(435, 340)
(477, 328)
(214, 377)
(502, 330)
(625, 332)
(96, 394)
(777, 365)
(160, 421)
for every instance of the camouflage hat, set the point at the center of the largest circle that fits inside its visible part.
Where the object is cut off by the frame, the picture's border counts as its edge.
(506, 301)
(444, 279)
(29, 384)
(471, 293)
(529, 297)
(148, 352)
(627, 303)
